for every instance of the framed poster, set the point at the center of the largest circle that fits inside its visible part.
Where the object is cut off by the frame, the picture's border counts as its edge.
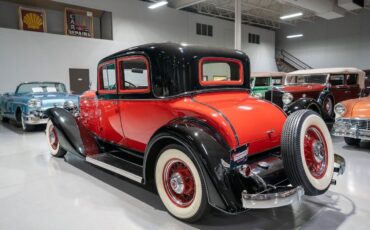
(78, 23)
(32, 19)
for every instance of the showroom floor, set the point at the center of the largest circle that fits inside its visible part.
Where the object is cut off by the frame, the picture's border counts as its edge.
(41, 192)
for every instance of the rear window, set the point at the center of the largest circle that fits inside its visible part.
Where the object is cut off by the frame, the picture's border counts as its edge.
(221, 71)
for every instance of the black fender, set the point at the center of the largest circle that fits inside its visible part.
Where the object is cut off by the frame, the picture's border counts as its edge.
(73, 137)
(209, 151)
(303, 103)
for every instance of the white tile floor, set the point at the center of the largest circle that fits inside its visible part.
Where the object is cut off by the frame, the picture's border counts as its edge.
(41, 192)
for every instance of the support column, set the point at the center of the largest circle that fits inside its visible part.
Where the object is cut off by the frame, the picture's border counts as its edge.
(238, 24)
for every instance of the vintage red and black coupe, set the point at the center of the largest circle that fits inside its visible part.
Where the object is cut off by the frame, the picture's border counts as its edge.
(318, 90)
(181, 118)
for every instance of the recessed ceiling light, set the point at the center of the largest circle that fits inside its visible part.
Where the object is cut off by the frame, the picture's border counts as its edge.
(294, 36)
(157, 4)
(291, 16)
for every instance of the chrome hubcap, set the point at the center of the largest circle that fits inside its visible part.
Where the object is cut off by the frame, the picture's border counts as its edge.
(177, 183)
(318, 150)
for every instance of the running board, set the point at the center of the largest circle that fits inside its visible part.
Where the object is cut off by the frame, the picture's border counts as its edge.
(116, 165)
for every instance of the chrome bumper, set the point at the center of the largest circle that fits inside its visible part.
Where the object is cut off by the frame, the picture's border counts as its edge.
(272, 200)
(353, 128)
(35, 119)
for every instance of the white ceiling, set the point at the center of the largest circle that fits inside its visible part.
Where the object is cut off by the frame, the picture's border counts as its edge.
(266, 13)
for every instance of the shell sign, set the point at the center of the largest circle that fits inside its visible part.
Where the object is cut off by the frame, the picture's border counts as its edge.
(32, 19)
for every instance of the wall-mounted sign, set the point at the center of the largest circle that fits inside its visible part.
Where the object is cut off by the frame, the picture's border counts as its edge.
(78, 23)
(32, 19)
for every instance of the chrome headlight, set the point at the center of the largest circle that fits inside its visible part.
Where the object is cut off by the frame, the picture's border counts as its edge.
(339, 109)
(34, 103)
(69, 105)
(258, 95)
(287, 98)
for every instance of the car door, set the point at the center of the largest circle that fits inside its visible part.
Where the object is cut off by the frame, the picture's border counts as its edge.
(353, 86)
(133, 72)
(339, 88)
(110, 128)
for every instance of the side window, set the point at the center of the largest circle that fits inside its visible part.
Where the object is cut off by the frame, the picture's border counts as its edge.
(262, 81)
(134, 74)
(352, 79)
(276, 81)
(337, 79)
(108, 77)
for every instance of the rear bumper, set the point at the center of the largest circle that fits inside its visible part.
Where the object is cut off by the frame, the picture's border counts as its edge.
(352, 128)
(272, 200)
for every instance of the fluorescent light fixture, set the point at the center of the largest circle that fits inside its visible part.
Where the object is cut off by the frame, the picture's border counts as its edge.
(157, 4)
(294, 36)
(291, 16)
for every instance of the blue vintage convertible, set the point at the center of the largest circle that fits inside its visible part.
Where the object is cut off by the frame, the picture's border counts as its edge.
(31, 99)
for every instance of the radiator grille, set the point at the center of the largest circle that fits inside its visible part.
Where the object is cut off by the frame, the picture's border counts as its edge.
(275, 97)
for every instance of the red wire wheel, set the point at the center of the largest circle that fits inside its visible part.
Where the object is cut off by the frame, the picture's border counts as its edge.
(307, 152)
(316, 152)
(179, 183)
(53, 137)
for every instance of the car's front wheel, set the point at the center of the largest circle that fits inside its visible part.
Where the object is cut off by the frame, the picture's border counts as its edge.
(180, 185)
(53, 142)
(307, 152)
(26, 127)
(352, 141)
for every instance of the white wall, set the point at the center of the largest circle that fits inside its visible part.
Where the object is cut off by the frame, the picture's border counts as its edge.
(27, 56)
(341, 42)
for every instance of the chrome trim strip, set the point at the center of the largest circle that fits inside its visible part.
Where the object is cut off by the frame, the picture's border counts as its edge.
(272, 200)
(114, 169)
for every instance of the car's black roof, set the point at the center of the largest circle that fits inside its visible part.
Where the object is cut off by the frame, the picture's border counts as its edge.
(174, 67)
(170, 49)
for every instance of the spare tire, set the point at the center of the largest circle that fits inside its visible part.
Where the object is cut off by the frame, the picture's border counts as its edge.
(307, 152)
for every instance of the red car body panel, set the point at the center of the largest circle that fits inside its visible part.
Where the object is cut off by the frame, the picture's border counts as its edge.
(310, 90)
(131, 123)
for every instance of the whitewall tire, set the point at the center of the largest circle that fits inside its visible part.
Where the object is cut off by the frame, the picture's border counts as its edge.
(307, 151)
(179, 184)
(53, 142)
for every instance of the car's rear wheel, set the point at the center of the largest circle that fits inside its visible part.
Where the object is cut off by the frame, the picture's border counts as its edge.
(180, 185)
(352, 141)
(53, 142)
(307, 152)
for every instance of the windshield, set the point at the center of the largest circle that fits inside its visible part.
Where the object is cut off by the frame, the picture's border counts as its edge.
(41, 88)
(306, 79)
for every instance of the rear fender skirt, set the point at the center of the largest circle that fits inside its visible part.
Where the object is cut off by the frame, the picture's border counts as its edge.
(209, 151)
(73, 137)
(303, 103)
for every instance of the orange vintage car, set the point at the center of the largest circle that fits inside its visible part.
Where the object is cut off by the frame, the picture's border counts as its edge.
(353, 120)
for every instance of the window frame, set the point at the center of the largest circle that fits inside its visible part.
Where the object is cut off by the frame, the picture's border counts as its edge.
(120, 75)
(100, 66)
(218, 83)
